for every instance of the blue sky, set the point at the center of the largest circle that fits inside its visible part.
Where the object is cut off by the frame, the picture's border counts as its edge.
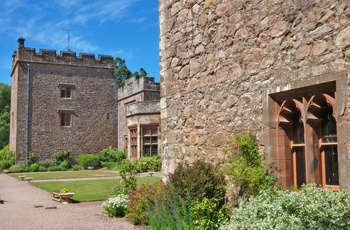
(122, 28)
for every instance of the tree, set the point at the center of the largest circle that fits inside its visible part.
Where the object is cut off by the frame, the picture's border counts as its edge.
(5, 99)
(121, 72)
(5, 96)
(143, 72)
(4, 127)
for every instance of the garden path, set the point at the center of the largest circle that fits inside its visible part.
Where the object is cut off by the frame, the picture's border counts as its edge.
(30, 208)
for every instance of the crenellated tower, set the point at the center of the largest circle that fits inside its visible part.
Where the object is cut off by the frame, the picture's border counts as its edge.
(61, 101)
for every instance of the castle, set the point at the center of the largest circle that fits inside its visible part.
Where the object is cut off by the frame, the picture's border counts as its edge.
(69, 102)
(278, 69)
(139, 117)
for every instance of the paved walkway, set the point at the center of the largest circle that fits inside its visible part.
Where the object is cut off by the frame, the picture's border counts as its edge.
(27, 207)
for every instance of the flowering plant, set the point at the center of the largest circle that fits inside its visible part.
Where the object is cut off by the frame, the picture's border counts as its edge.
(116, 206)
(310, 208)
(64, 190)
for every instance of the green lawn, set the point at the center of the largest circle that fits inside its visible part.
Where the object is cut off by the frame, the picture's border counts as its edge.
(66, 174)
(88, 190)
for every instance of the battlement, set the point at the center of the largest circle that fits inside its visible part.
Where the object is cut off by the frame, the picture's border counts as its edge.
(143, 107)
(135, 85)
(64, 57)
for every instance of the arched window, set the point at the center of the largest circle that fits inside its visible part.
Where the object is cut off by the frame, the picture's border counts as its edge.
(329, 148)
(310, 126)
(298, 150)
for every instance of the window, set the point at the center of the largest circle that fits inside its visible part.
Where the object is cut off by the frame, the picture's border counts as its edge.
(309, 124)
(329, 150)
(298, 150)
(133, 143)
(150, 141)
(66, 118)
(125, 143)
(66, 91)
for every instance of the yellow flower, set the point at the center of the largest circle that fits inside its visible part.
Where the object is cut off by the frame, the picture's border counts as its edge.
(64, 190)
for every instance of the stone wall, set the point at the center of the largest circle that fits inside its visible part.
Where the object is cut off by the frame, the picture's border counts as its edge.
(146, 85)
(135, 90)
(143, 107)
(93, 103)
(220, 59)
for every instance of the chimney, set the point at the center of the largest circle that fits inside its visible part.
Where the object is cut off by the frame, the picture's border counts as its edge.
(20, 43)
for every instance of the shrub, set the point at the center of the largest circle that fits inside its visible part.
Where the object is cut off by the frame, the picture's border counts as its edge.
(112, 155)
(194, 200)
(128, 181)
(42, 168)
(45, 164)
(208, 214)
(312, 208)
(53, 168)
(88, 160)
(7, 155)
(116, 206)
(5, 164)
(115, 189)
(109, 165)
(142, 199)
(4, 152)
(76, 167)
(139, 165)
(146, 164)
(64, 166)
(32, 158)
(60, 156)
(197, 180)
(155, 163)
(170, 214)
(34, 167)
(246, 168)
(18, 168)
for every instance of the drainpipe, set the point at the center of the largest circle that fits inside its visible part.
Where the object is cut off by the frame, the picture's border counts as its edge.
(27, 114)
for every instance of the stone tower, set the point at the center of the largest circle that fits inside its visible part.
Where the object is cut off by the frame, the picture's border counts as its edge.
(139, 117)
(276, 68)
(61, 101)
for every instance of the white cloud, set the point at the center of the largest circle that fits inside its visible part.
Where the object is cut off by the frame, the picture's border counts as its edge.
(96, 11)
(45, 21)
(68, 3)
(83, 46)
(122, 53)
(137, 20)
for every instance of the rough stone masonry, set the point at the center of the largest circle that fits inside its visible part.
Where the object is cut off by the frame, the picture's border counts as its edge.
(222, 59)
(36, 104)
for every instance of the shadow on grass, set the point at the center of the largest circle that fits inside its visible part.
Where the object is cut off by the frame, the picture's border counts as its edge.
(74, 201)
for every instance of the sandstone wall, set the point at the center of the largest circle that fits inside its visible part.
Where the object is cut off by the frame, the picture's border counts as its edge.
(93, 103)
(220, 57)
(94, 106)
(135, 90)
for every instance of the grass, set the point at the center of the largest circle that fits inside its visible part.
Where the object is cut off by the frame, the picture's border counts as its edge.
(66, 174)
(89, 190)
(85, 190)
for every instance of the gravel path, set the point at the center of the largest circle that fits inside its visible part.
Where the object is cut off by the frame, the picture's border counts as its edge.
(27, 207)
